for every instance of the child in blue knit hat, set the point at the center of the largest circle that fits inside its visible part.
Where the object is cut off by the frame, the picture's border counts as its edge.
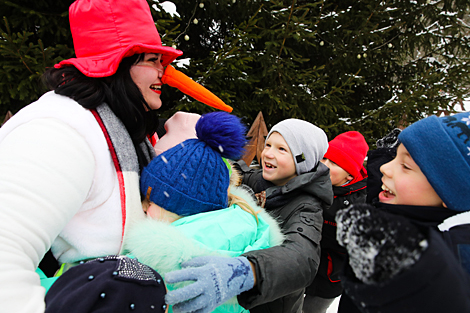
(412, 252)
(195, 206)
(294, 187)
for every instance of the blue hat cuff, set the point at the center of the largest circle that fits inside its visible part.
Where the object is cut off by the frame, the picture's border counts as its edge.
(442, 159)
(173, 200)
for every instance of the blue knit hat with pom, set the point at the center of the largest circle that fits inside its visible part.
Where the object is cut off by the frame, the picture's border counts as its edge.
(441, 148)
(192, 177)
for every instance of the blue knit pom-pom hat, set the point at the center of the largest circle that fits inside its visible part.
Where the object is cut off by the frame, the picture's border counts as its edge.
(192, 177)
(441, 148)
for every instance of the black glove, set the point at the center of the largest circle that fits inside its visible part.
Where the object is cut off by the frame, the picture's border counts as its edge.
(390, 140)
(379, 244)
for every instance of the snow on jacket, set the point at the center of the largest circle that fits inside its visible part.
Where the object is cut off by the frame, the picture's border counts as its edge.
(58, 189)
(327, 283)
(227, 232)
(284, 271)
(438, 282)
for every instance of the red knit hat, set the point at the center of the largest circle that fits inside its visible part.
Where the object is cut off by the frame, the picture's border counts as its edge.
(106, 31)
(348, 150)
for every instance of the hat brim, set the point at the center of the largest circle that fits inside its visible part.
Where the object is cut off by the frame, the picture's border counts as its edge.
(106, 64)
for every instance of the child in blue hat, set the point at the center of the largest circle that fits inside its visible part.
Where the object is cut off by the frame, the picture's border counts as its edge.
(195, 206)
(412, 251)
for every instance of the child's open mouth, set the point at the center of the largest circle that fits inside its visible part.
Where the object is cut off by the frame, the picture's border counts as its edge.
(386, 194)
(268, 165)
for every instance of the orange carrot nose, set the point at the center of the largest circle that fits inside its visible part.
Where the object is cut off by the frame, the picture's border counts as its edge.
(175, 78)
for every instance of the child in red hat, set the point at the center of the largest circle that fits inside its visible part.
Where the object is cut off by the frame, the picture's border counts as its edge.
(344, 158)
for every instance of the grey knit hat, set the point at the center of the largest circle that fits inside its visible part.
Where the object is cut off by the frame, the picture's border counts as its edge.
(307, 142)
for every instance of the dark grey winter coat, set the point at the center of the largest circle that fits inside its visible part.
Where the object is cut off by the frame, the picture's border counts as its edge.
(283, 272)
(438, 282)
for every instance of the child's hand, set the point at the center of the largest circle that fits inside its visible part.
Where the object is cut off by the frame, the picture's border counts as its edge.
(379, 244)
(216, 279)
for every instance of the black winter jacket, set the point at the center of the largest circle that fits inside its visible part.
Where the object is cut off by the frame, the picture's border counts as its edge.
(438, 282)
(327, 283)
(283, 272)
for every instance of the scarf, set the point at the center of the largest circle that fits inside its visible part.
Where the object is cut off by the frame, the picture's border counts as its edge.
(125, 162)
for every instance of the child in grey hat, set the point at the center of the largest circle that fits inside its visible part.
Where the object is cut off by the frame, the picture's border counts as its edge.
(295, 188)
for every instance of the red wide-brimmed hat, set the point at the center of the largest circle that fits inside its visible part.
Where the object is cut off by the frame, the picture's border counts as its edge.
(106, 31)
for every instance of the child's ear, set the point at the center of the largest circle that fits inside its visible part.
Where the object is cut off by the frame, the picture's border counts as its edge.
(145, 205)
(444, 205)
(349, 178)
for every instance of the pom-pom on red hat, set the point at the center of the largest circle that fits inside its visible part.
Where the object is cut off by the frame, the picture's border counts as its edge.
(106, 31)
(348, 150)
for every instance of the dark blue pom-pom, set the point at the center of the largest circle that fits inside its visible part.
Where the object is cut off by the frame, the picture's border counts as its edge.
(223, 132)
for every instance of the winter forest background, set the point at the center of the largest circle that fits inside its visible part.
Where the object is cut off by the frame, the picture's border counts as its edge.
(365, 65)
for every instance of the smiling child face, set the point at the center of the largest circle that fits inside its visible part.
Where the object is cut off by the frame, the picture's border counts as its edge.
(277, 160)
(404, 183)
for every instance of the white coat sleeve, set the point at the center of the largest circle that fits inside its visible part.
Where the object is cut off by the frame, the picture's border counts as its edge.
(46, 170)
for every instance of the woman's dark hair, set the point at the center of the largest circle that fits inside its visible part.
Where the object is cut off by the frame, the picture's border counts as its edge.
(119, 91)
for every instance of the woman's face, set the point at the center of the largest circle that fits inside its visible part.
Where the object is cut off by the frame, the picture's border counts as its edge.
(147, 75)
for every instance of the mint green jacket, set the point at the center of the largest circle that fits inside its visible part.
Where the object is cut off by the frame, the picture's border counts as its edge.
(228, 232)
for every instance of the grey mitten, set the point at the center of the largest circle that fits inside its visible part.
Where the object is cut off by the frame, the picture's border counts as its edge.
(379, 244)
(216, 279)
